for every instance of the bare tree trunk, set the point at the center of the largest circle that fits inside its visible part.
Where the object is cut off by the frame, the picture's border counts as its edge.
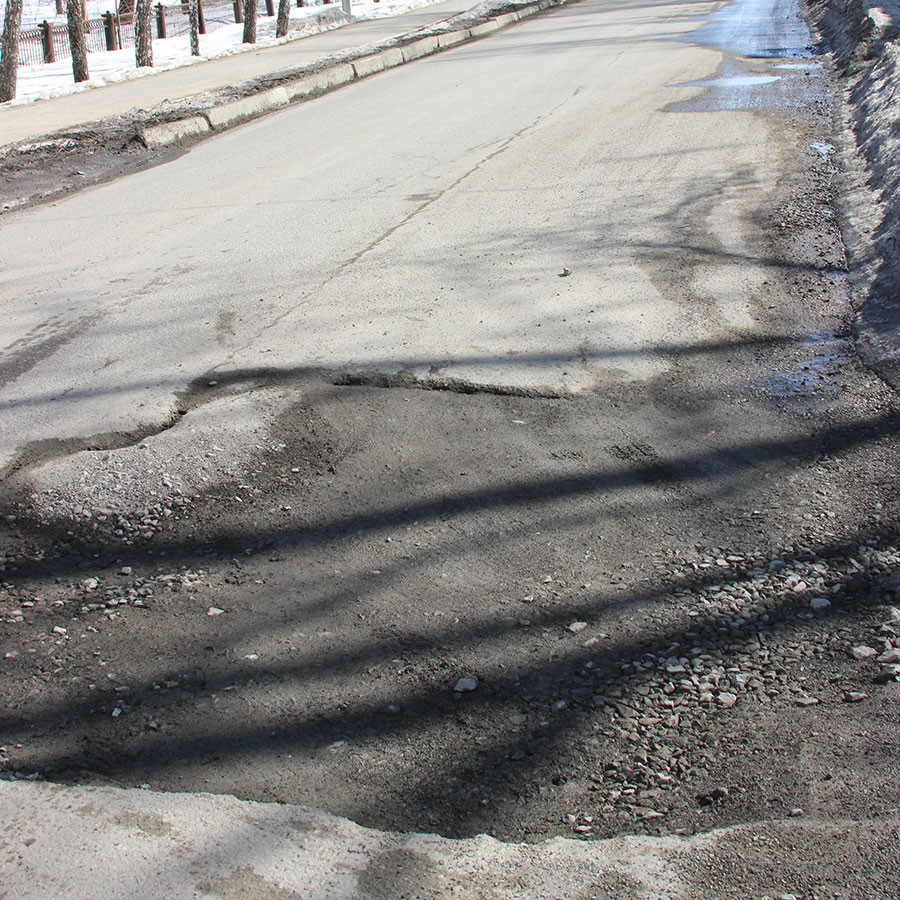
(75, 22)
(143, 38)
(249, 21)
(194, 16)
(9, 50)
(284, 17)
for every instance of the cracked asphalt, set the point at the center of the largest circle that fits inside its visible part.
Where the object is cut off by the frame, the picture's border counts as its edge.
(537, 375)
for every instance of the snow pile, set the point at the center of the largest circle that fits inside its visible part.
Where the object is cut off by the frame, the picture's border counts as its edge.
(55, 79)
(865, 40)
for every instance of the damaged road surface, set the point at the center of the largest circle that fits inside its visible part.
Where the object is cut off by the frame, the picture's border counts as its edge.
(479, 449)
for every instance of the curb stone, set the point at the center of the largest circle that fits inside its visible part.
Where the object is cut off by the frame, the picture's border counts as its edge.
(227, 114)
(168, 133)
(320, 83)
(368, 65)
(451, 39)
(484, 28)
(417, 49)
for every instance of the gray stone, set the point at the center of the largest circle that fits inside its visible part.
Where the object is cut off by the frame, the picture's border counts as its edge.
(888, 673)
(806, 701)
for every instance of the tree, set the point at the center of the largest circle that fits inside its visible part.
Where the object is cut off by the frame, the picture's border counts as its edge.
(143, 38)
(284, 18)
(249, 21)
(194, 15)
(9, 50)
(75, 23)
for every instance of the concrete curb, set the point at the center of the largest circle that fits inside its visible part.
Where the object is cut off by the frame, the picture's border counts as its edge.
(451, 39)
(229, 113)
(320, 83)
(167, 133)
(418, 49)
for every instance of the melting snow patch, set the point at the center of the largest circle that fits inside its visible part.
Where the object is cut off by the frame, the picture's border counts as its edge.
(821, 148)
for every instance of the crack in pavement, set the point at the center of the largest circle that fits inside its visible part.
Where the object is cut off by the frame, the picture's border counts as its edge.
(430, 199)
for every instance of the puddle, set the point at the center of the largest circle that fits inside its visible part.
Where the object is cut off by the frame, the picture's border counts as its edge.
(823, 337)
(806, 380)
(757, 29)
(734, 87)
(752, 33)
(734, 81)
(818, 377)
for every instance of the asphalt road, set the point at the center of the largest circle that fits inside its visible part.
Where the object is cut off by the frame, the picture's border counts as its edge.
(529, 364)
(420, 221)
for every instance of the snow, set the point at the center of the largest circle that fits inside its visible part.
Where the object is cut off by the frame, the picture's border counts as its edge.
(36, 11)
(55, 79)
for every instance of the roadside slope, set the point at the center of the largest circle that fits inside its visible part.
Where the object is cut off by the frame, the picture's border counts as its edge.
(865, 41)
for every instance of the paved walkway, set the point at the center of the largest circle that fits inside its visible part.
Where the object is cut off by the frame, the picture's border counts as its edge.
(59, 113)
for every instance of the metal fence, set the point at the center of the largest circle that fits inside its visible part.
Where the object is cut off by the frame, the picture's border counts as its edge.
(49, 42)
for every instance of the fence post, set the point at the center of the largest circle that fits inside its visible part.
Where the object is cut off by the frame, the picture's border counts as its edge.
(160, 20)
(238, 12)
(59, 7)
(109, 30)
(47, 41)
(201, 18)
(270, 7)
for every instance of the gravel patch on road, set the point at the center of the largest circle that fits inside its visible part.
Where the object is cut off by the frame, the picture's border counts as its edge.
(136, 485)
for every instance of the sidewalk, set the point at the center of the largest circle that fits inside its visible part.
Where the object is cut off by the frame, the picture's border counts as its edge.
(60, 113)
